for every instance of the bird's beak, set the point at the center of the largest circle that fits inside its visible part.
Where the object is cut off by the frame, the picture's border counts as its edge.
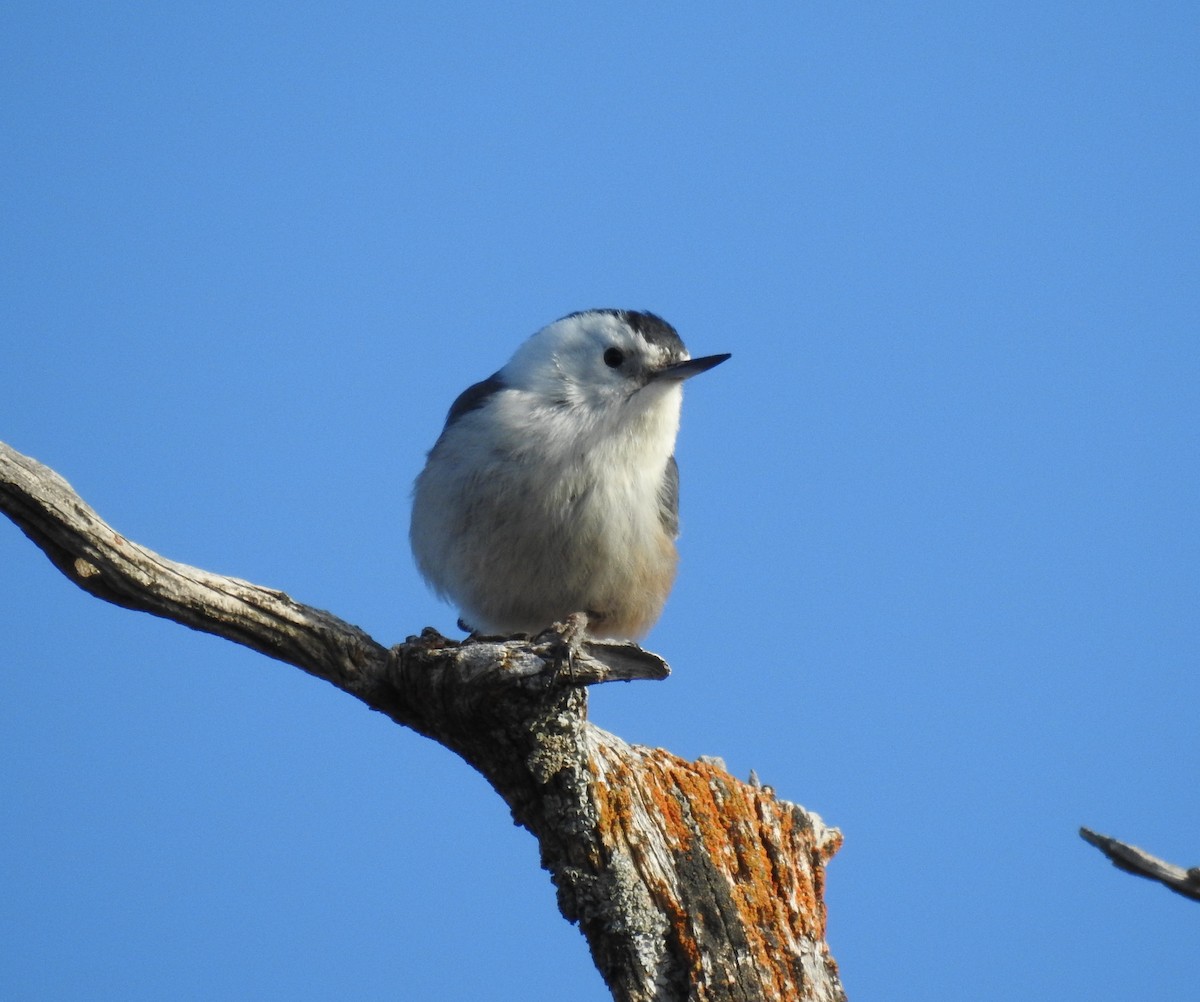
(680, 371)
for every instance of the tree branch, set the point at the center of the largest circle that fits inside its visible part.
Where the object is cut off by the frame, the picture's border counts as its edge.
(687, 883)
(1131, 859)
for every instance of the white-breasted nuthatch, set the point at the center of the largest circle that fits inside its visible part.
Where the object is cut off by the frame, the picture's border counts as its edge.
(553, 487)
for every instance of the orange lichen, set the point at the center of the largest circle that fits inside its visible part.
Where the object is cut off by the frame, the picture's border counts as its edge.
(771, 862)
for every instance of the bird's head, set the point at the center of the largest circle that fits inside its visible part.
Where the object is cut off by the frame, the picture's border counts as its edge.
(607, 362)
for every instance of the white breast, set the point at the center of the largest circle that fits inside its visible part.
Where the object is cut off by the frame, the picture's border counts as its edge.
(530, 514)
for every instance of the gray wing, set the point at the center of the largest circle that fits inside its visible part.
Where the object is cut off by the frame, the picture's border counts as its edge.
(668, 498)
(474, 397)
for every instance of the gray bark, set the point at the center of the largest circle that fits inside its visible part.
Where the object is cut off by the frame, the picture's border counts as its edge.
(1131, 859)
(687, 883)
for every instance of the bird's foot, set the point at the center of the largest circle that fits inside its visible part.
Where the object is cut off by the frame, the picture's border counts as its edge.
(564, 642)
(475, 636)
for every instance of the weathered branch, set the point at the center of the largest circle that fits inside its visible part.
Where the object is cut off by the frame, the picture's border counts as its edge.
(687, 883)
(1131, 859)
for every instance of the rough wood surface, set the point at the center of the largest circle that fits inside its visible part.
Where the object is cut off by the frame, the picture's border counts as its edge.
(1131, 859)
(687, 883)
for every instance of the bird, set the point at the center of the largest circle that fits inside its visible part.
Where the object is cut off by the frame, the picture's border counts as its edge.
(553, 488)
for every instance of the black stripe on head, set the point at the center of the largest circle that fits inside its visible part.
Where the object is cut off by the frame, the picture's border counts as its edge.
(650, 325)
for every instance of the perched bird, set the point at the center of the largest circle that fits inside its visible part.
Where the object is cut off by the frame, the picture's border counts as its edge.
(553, 487)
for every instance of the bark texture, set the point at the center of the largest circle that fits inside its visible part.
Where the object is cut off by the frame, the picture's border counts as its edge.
(1131, 859)
(687, 883)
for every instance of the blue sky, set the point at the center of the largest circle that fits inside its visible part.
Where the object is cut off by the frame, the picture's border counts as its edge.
(940, 564)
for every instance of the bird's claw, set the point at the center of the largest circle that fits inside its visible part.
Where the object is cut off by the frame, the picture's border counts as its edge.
(564, 641)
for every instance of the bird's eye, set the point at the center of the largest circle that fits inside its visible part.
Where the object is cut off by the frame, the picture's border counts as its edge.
(613, 357)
